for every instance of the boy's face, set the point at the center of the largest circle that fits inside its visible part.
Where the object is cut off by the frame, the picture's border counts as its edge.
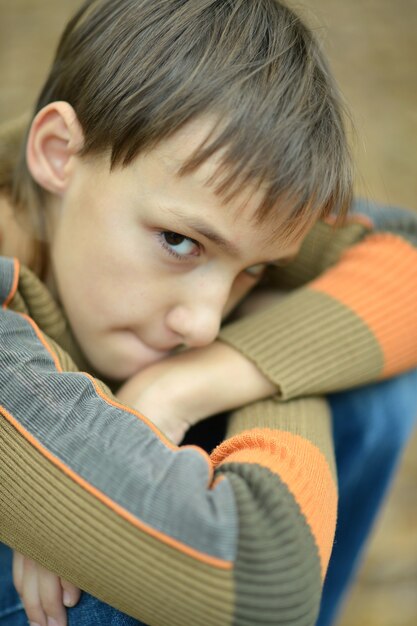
(144, 260)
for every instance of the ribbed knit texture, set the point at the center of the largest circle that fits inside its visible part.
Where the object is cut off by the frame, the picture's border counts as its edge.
(266, 498)
(282, 483)
(356, 322)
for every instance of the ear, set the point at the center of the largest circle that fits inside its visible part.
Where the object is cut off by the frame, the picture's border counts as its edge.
(55, 137)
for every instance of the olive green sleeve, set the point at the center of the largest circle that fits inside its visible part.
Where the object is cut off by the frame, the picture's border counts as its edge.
(349, 317)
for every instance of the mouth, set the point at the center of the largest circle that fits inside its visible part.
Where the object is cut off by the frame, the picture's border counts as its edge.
(158, 350)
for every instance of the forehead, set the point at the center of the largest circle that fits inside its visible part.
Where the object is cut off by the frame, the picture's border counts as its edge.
(195, 193)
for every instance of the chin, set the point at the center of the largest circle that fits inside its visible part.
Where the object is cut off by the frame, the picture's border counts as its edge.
(118, 370)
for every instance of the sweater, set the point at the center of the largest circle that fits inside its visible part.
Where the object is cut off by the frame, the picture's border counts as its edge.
(168, 534)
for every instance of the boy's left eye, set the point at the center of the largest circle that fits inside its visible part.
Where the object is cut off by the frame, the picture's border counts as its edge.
(179, 245)
(256, 270)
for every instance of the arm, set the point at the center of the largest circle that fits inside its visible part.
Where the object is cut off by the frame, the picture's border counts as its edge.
(95, 492)
(351, 317)
(302, 274)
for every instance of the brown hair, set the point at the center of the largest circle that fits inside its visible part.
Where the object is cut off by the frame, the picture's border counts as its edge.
(136, 71)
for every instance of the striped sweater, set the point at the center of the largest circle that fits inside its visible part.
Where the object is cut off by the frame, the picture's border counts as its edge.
(171, 535)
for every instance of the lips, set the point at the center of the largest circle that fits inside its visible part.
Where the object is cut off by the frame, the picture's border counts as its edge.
(152, 348)
(168, 348)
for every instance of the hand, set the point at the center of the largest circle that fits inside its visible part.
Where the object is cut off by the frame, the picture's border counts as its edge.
(150, 393)
(42, 592)
(184, 388)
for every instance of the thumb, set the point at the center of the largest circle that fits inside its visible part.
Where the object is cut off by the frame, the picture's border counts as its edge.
(71, 593)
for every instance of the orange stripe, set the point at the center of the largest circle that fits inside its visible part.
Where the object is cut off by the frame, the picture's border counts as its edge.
(173, 543)
(301, 466)
(16, 270)
(377, 279)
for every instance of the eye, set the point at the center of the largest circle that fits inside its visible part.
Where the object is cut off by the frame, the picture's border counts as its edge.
(256, 271)
(179, 245)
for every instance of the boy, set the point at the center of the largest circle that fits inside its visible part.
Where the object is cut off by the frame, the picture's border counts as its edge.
(165, 192)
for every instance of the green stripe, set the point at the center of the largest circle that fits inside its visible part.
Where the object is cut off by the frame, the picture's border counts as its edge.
(295, 345)
(288, 590)
(321, 249)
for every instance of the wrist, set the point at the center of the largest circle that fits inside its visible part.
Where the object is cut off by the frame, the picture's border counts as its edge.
(197, 383)
(239, 377)
(222, 379)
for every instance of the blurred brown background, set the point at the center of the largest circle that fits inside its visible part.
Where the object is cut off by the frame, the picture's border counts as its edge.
(372, 46)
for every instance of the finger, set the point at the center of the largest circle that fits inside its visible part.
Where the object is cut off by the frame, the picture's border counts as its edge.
(30, 593)
(71, 593)
(50, 592)
(17, 571)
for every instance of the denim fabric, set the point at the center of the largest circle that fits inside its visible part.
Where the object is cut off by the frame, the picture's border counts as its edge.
(371, 428)
(11, 608)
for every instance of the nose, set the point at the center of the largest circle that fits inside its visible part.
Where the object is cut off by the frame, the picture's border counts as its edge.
(198, 321)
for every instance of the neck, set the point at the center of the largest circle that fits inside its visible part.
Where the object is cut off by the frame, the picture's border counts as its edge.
(16, 238)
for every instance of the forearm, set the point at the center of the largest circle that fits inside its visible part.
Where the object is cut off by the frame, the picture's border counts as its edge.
(181, 390)
(356, 322)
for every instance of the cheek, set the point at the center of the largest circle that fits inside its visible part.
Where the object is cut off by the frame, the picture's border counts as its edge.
(87, 287)
(240, 288)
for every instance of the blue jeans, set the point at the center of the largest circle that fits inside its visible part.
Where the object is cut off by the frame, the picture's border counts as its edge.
(371, 428)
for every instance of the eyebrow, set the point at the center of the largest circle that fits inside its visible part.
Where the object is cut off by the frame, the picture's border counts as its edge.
(201, 227)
